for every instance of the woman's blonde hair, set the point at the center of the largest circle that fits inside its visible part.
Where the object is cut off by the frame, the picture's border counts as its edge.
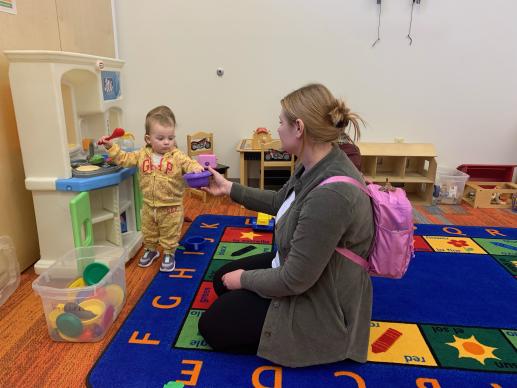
(161, 114)
(326, 118)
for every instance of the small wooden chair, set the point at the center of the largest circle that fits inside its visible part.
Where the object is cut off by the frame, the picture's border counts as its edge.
(272, 157)
(199, 143)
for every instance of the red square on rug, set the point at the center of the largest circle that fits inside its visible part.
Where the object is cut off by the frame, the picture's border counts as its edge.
(205, 296)
(421, 245)
(246, 235)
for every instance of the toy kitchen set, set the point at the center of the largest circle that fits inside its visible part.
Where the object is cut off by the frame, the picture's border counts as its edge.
(63, 103)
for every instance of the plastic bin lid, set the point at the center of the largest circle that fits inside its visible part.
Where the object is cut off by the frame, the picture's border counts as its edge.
(94, 272)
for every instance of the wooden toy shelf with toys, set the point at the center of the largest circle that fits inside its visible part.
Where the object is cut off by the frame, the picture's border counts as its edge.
(410, 166)
(490, 194)
(249, 150)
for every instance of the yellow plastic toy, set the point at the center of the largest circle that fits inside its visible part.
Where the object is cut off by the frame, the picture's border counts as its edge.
(263, 222)
(263, 219)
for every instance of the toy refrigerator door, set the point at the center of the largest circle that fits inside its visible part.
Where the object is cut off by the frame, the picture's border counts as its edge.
(138, 199)
(81, 215)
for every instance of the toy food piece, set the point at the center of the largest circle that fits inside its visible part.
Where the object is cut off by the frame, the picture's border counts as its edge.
(197, 180)
(54, 314)
(95, 306)
(77, 283)
(92, 332)
(78, 311)
(114, 295)
(69, 325)
(87, 168)
(87, 335)
(108, 317)
(194, 243)
(97, 330)
(94, 272)
(96, 159)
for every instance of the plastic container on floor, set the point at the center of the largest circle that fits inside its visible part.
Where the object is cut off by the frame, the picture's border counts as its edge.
(9, 269)
(75, 311)
(450, 184)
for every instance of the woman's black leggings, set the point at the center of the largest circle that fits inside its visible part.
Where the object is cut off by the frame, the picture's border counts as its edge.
(234, 321)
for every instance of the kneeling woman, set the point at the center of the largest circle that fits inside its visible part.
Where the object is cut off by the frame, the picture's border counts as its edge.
(307, 304)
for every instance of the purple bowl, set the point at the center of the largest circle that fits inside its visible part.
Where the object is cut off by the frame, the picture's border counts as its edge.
(197, 179)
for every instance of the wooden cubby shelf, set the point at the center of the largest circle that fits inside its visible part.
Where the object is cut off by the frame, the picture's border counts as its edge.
(410, 166)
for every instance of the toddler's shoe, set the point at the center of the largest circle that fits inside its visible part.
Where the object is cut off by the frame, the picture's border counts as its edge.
(168, 263)
(147, 259)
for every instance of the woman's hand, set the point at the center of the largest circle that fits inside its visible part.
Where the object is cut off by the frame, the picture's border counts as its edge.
(218, 184)
(232, 280)
(107, 143)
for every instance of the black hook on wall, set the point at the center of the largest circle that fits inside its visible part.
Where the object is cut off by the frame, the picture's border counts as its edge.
(379, 24)
(411, 20)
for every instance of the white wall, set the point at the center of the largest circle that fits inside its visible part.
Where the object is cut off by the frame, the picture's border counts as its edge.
(456, 86)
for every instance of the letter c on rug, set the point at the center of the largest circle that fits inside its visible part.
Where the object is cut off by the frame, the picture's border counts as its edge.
(358, 379)
(176, 299)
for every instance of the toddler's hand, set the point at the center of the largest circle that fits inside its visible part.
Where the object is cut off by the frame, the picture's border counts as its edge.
(198, 169)
(107, 143)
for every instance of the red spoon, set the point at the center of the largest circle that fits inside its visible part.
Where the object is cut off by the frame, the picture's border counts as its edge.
(117, 132)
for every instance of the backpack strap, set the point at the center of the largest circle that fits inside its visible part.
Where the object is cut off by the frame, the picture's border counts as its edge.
(346, 179)
(343, 251)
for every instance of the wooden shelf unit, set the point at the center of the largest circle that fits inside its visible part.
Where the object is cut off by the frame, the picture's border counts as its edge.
(487, 195)
(411, 166)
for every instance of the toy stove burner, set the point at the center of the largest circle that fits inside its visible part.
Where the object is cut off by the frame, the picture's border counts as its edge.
(83, 169)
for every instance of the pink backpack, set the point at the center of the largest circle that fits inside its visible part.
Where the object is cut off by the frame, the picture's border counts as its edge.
(392, 245)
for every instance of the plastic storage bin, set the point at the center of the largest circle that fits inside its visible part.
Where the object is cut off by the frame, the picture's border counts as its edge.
(83, 293)
(450, 184)
(489, 173)
(9, 269)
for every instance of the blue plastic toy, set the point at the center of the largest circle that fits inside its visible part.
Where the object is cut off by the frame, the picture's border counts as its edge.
(194, 243)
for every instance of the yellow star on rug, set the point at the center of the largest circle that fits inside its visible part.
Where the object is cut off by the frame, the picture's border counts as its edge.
(250, 235)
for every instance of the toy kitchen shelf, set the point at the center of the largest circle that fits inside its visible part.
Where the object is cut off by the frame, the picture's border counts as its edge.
(411, 166)
(63, 101)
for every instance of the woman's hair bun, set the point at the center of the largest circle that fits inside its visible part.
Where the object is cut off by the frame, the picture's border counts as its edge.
(339, 114)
